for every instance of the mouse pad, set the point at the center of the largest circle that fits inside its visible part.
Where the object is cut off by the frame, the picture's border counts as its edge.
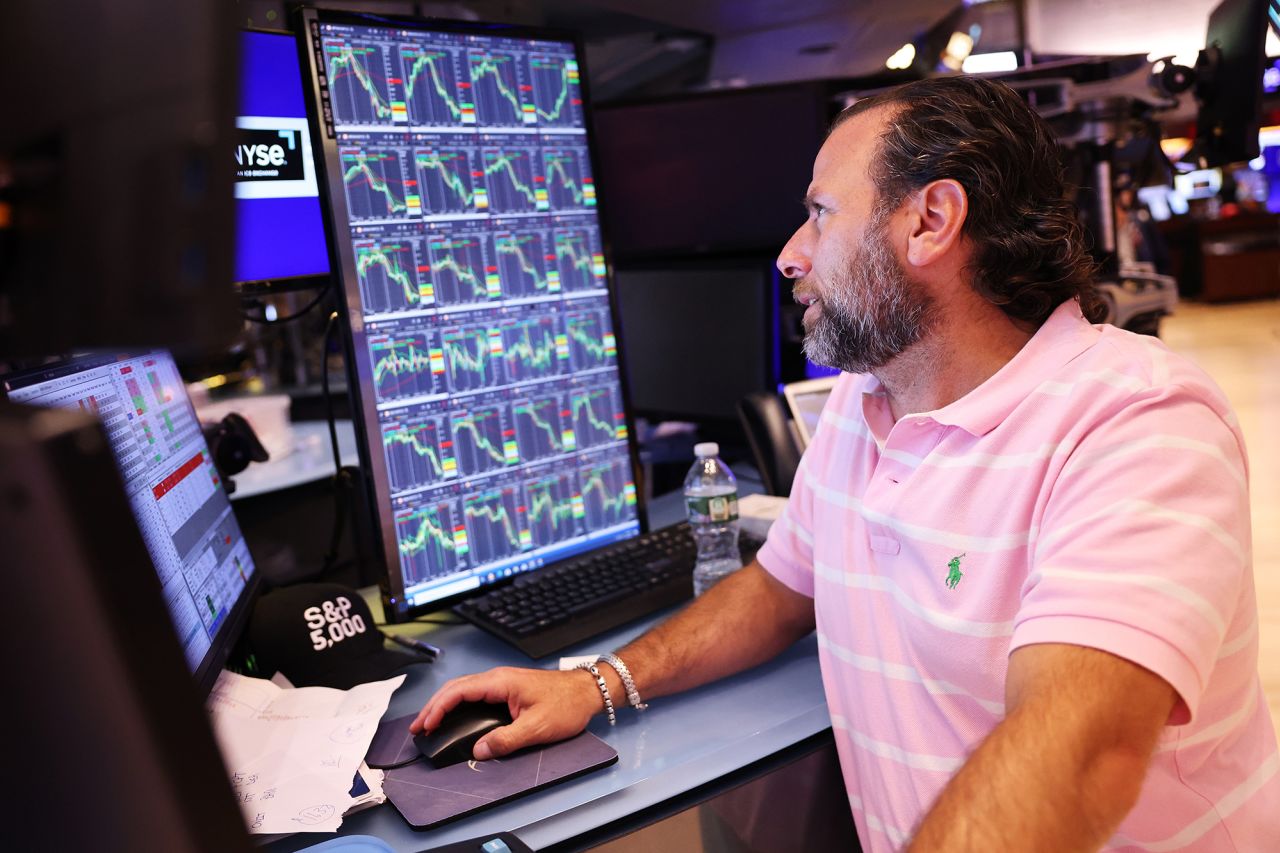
(426, 796)
(392, 745)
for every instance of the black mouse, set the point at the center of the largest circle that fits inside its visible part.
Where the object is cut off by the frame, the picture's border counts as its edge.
(455, 737)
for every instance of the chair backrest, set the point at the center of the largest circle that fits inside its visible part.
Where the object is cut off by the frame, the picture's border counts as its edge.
(777, 455)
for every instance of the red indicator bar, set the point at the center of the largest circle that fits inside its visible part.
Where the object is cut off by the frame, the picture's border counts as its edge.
(169, 483)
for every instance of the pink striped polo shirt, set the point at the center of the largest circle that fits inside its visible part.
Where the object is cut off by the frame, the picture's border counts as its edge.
(1092, 492)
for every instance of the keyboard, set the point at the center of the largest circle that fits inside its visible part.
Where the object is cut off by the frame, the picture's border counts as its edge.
(550, 609)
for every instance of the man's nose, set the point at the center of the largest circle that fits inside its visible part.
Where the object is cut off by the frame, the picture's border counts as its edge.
(793, 260)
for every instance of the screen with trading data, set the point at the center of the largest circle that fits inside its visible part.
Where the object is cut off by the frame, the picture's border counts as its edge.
(463, 198)
(173, 487)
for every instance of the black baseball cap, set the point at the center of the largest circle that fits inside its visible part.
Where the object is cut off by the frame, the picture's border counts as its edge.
(321, 635)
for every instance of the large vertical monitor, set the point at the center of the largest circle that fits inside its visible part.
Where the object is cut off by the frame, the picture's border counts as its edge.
(178, 499)
(491, 406)
(280, 236)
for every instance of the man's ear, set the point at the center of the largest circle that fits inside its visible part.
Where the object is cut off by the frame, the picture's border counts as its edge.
(938, 212)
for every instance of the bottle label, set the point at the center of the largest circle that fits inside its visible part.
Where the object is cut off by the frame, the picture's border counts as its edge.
(718, 509)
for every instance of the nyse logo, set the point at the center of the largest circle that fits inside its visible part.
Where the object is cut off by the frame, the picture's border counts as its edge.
(269, 155)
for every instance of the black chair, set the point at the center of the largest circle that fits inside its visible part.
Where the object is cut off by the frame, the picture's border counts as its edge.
(773, 444)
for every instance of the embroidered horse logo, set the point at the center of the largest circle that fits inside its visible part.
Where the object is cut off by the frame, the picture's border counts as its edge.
(953, 571)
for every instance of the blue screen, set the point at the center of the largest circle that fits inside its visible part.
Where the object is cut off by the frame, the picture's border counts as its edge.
(279, 227)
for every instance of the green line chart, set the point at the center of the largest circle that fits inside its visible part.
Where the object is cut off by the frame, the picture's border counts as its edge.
(555, 509)
(534, 348)
(432, 541)
(482, 441)
(579, 259)
(445, 179)
(406, 365)
(358, 86)
(608, 495)
(495, 87)
(431, 91)
(459, 269)
(542, 428)
(473, 355)
(557, 96)
(597, 417)
(388, 276)
(569, 182)
(510, 182)
(375, 185)
(591, 343)
(495, 520)
(522, 265)
(419, 454)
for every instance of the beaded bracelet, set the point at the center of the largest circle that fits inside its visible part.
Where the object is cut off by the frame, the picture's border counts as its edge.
(628, 683)
(604, 691)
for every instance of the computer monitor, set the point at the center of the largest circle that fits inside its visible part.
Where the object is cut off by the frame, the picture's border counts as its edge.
(805, 401)
(175, 492)
(1229, 90)
(280, 233)
(491, 410)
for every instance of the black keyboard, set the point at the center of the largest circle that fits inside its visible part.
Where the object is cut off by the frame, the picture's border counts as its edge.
(557, 606)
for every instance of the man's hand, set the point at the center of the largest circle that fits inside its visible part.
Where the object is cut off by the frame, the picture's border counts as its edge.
(546, 706)
(1066, 764)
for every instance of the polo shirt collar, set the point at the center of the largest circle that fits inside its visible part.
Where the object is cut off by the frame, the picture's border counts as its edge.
(1062, 337)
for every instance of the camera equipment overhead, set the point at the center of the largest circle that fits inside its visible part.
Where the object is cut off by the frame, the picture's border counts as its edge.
(1092, 117)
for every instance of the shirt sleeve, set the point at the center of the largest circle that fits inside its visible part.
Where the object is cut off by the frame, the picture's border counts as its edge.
(1143, 546)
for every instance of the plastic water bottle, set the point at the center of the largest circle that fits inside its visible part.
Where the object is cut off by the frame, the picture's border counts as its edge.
(711, 496)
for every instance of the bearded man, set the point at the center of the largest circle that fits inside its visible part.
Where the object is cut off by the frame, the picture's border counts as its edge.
(1023, 539)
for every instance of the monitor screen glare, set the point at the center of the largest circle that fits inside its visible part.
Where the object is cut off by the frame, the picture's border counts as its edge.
(477, 293)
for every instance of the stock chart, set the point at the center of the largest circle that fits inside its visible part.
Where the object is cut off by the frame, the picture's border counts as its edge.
(475, 258)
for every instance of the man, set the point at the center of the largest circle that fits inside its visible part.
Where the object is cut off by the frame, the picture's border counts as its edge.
(1023, 539)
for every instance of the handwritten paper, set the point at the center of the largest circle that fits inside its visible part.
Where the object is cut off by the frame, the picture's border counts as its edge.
(292, 752)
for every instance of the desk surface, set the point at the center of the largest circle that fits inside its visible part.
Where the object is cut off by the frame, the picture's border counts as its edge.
(681, 743)
(310, 458)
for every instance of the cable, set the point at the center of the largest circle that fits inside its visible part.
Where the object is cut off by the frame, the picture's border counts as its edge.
(324, 291)
(341, 478)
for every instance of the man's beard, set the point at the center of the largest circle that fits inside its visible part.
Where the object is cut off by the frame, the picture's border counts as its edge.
(874, 313)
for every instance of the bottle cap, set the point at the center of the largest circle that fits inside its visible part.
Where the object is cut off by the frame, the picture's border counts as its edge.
(706, 448)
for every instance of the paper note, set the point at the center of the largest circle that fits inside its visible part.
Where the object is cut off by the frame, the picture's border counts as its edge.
(292, 753)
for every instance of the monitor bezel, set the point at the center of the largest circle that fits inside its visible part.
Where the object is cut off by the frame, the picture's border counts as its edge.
(228, 635)
(342, 263)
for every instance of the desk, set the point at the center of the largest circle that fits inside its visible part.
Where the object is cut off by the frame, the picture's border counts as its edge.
(667, 756)
(310, 459)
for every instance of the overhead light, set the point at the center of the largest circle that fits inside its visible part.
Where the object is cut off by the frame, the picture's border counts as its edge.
(987, 63)
(959, 46)
(903, 58)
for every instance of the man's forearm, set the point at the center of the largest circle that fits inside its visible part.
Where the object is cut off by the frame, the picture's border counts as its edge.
(1021, 791)
(1066, 765)
(745, 619)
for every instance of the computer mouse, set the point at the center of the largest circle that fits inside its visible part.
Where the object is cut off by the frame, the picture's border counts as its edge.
(455, 737)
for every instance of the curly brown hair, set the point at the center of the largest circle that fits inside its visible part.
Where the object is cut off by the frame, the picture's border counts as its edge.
(1030, 253)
